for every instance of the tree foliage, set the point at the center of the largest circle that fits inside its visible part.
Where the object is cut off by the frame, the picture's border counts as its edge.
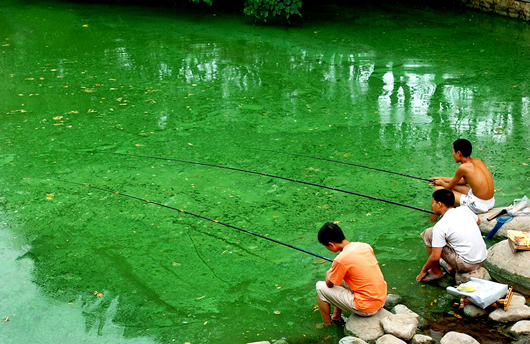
(266, 9)
(263, 9)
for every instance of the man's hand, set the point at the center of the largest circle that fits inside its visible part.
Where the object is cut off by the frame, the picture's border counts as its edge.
(436, 181)
(421, 276)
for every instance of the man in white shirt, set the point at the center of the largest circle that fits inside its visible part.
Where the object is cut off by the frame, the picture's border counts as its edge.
(455, 241)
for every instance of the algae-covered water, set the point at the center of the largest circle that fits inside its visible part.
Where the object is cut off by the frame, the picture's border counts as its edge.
(388, 87)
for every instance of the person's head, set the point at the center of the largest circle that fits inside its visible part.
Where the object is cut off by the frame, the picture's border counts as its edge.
(463, 146)
(330, 233)
(443, 197)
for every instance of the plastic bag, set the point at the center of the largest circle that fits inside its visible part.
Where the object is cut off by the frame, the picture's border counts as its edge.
(486, 293)
(520, 207)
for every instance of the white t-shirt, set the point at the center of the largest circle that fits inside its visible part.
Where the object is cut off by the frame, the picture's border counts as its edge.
(458, 228)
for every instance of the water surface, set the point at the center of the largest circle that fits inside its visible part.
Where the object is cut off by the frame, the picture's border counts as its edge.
(389, 87)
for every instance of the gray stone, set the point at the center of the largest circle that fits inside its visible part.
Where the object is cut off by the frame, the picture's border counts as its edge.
(508, 267)
(402, 309)
(392, 300)
(518, 223)
(400, 325)
(473, 311)
(351, 340)
(521, 328)
(389, 339)
(517, 310)
(262, 342)
(422, 339)
(463, 277)
(366, 328)
(458, 338)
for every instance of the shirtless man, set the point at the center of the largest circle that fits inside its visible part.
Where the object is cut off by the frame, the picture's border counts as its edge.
(472, 183)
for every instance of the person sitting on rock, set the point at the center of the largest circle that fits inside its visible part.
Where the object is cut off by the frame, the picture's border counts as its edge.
(354, 282)
(472, 183)
(455, 241)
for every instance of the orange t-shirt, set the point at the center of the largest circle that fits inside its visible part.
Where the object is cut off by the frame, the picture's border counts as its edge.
(358, 267)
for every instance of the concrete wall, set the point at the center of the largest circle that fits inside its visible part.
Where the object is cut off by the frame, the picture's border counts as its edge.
(519, 9)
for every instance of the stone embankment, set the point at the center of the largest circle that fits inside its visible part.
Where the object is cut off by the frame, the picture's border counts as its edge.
(519, 9)
(400, 325)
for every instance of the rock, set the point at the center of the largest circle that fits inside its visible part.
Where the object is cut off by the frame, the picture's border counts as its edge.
(508, 267)
(402, 309)
(389, 339)
(521, 328)
(366, 328)
(473, 311)
(262, 342)
(518, 223)
(463, 277)
(392, 300)
(517, 310)
(400, 325)
(351, 340)
(422, 339)
(280, 341)
(457, 338)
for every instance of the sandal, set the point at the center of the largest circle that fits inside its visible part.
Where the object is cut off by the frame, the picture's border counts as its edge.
(340, 321)
(444, 265)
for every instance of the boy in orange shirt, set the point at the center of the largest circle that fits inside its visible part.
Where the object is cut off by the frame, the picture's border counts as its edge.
(354, 282)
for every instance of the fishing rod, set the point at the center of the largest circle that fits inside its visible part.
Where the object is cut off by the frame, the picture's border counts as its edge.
(204, 218)
(279, 177)
(345, 163)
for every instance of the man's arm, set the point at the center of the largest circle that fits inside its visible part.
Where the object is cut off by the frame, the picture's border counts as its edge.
(436, 254)
(451, 183)
(328, 282)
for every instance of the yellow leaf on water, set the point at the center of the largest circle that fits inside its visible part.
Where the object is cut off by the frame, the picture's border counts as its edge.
(85, 25)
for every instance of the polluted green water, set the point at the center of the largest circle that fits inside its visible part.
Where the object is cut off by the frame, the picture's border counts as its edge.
(388, 87)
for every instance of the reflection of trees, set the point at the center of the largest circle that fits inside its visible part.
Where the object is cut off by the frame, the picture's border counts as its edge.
(195, 75)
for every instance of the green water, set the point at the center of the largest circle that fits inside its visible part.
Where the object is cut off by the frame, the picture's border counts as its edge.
(387, 87)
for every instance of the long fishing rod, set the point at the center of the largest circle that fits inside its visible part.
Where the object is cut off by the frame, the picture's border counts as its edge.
(204, 218)
(279, 177)
(345, 163)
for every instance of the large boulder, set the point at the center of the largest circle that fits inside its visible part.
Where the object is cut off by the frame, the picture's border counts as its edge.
(508, 267)
(351, 340)
(463, 277)
(389, 339)
(517, 310)
(402, 326)
(518, 223)
(458, 338)
(366, 328)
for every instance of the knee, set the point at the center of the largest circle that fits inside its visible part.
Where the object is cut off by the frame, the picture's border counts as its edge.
(320, 285)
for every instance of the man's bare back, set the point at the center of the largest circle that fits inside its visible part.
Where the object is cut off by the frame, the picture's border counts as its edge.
(472, 174)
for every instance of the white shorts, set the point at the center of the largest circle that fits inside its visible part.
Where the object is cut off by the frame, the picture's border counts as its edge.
(476, 204)
(339, 296)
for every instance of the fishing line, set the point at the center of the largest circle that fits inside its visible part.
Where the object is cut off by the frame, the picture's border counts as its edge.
(279, 177)
(345, 163)
(204, 218)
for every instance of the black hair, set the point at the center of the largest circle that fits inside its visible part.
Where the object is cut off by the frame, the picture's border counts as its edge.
(445, 196)
(463, 146)
(330, 232)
